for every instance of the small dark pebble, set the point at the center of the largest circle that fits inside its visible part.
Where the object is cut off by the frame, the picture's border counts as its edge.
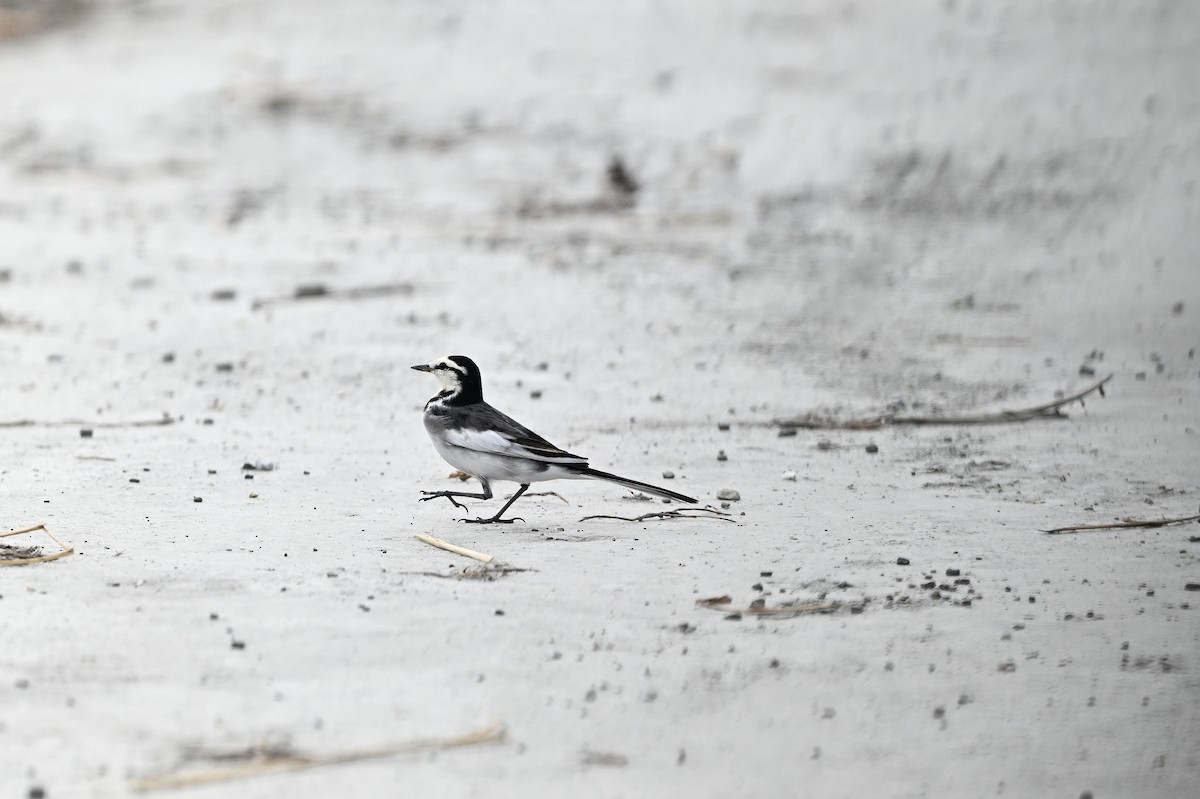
(774, 663)
(168, 357)
(721, 456)
(237, 644)
(1192, 587)
(248, 476)
(872, 449)
(197, 499)
(224, 295)
(765, 574)
(939, 712)
(85, 433)
(134, 480)
(756, 587)
(734, 617)
(723, 426)
(1086, 370)
(928, 585)
(310, 290)
(785, 432)
(224, 367)
(212, 471)
(936, 595)
(952, 572)
(902, 561)
(856, 609)
(37, 792)
(759, 603)
(535, 394)
(499, 612)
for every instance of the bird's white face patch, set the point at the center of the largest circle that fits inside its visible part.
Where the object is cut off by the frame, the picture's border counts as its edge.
(448, 374)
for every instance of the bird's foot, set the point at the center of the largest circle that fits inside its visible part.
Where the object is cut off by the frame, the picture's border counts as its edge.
(493, 520)
(447, 494)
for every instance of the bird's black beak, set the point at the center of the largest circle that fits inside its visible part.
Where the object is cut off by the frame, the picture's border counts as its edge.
(423, 367)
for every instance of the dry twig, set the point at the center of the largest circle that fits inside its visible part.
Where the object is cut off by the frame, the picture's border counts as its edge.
(1049, 410)
(1122, 524)
(161, 422)
(678, 513)
(470, 553)
(276, 762)
(24, 556)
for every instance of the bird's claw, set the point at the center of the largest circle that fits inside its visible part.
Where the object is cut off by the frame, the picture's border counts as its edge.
(436, 494)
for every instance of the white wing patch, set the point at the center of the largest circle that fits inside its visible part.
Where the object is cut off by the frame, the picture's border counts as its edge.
(495, 443)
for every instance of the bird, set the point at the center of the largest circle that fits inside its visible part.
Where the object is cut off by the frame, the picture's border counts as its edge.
(479, 440)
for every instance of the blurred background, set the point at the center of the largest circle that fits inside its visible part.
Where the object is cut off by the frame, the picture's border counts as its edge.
(812, 188)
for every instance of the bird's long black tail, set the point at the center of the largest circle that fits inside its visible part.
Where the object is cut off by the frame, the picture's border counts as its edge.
(625, 481)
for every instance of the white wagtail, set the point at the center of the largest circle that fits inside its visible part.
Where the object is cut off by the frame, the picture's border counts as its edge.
(479, 440)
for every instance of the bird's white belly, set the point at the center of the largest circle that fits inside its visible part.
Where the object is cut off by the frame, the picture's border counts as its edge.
(499, 467)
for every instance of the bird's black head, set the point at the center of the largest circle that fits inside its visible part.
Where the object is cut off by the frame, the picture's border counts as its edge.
(459, 377)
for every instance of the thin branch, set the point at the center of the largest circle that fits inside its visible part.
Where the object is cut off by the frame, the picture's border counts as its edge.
(1049, 410)
(679, 513)
(64, 550)
(273, 762)
(1123, 524)
(470, 553)
(162, 422)
(545, 494)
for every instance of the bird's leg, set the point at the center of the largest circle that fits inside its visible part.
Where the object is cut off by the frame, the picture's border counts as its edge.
(450, 495)
(496, 519)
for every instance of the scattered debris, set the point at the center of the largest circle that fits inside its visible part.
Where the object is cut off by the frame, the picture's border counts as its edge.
(728, 495)
(1050, 410)
(789, 475)
(1122, 524)
(620, 179)
(589, 758)
(786, 610)
(258, 466)
(668, 474)
(470, 553)
(259, 762)
(680, 513)
(24, 556)
(902, 561)
(484, 572)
